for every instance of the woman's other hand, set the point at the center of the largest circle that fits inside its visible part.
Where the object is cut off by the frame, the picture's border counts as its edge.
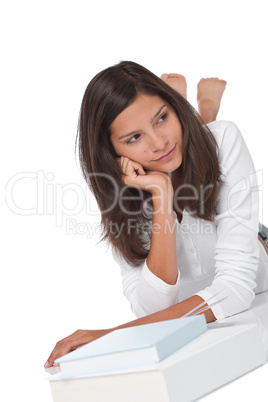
(72, 342)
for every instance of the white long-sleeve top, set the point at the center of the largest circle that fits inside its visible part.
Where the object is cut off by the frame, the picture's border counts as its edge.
(222, 261)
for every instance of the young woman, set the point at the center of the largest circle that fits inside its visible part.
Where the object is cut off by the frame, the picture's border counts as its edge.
(178, 197)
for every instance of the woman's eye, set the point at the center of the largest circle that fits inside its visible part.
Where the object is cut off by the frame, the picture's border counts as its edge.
(133, 139)
(163, 117)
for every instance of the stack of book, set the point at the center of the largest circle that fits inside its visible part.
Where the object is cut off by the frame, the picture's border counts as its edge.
(174, 360)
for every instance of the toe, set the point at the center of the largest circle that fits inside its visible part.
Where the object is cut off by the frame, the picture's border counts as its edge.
(175, 75)
(164, 76)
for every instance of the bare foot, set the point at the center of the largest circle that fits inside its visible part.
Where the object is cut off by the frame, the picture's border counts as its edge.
(209, 94)
(177, 82)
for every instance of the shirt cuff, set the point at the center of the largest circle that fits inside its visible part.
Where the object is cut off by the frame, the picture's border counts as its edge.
(217, 309)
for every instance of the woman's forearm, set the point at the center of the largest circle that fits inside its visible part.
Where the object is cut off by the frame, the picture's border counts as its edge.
(82, 337)
(175, 311)
(162, 258)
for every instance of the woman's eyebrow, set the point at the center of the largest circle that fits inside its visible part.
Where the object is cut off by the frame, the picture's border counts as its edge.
(159, 111)
(151, 121)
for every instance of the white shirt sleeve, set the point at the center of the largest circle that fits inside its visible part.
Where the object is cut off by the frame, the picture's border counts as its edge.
(237, 218)
(145, 291)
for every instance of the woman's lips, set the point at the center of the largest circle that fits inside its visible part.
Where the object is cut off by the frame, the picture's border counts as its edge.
(167, 155)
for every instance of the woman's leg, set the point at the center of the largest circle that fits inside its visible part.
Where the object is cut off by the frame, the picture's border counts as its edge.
(209, 93)
(177, 82)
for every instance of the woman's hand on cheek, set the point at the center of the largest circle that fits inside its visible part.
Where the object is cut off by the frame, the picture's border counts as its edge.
(72, 342)
(134, 175)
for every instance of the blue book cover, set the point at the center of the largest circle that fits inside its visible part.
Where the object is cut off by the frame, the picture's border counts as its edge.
(134, 346)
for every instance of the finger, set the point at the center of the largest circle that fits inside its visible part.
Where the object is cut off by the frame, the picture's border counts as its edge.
(58, 351)
(140, 171)
(129, 167)
(65, 346)
(123, 162)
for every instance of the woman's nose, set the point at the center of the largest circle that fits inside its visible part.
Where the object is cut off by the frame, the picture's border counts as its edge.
(158, 142)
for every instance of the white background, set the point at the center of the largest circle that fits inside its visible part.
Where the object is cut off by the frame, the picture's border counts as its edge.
(54, 279)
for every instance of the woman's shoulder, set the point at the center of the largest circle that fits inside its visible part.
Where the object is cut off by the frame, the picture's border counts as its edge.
(224, 131)
(227, 135)
(231, 144)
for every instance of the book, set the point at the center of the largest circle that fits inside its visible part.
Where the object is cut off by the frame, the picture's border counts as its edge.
(133, 346)
(220, 355)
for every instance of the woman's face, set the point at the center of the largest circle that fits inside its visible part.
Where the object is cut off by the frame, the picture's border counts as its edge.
(149, 132)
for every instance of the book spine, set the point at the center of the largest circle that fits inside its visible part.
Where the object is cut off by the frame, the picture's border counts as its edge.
(191, 330)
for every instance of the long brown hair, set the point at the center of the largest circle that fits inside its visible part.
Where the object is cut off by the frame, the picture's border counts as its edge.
(106, 96)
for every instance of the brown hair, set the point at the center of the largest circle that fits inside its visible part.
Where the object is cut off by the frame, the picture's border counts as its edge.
(106, 96)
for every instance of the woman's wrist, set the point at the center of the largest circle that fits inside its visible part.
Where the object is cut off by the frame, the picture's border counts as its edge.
(163, 201)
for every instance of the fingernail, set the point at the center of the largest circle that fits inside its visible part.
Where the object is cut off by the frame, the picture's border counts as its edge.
(46, 364)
